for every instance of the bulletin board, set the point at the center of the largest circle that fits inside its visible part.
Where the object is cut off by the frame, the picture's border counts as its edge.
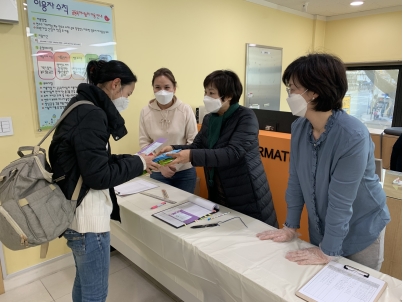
(64, 36)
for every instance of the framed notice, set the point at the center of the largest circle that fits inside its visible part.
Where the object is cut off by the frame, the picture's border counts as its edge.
(64, 37)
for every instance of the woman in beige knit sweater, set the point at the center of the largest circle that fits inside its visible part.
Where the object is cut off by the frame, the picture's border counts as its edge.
(166, 116)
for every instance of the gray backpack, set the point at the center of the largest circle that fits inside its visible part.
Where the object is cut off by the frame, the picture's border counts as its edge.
(33, 209)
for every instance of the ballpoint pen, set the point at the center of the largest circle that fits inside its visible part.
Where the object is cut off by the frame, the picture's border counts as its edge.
(158, 205)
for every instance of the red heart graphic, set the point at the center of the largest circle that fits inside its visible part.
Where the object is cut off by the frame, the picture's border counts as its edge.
(106, 18)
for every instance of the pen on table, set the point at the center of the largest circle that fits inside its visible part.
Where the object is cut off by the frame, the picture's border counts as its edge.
(158, 205)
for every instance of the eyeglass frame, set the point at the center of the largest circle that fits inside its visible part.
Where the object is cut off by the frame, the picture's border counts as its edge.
(288, 89)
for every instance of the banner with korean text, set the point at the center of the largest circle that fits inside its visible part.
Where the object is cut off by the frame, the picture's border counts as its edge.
(65, 36)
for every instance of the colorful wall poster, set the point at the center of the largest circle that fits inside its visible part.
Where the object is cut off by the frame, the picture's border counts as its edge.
(65, 36)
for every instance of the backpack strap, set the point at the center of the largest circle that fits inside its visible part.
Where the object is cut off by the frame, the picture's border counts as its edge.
(33, 149)
(68, 110)
(44, 250)
(77, 189)
(36, 149)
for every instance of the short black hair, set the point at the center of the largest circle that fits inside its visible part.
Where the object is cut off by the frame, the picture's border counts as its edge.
(227, 83)
(324, 74)
(100, 71)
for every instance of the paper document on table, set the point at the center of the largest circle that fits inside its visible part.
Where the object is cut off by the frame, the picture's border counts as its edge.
(338, 282)
(134, 187)
(187, 212)
(207, 204)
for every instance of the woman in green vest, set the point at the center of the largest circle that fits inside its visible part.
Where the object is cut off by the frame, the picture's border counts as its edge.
(227, 147)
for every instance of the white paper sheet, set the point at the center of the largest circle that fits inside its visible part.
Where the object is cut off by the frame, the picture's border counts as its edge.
(133, 187)
(203, 202)
(152, 147)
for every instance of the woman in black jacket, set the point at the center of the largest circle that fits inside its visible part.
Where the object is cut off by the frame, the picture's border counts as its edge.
(227, 147)
(80, 147)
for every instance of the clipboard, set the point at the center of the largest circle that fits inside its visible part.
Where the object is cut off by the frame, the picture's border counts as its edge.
(339, 282)
(185, 213)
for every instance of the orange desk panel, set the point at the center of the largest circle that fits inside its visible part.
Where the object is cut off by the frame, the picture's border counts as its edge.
(274, 150)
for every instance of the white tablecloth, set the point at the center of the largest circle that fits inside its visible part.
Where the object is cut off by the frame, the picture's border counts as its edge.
(225, 263)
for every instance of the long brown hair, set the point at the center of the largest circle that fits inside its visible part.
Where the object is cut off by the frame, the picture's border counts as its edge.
(164, 72)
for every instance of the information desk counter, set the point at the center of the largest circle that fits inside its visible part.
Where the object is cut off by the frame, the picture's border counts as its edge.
(393, 235)
(224, 263)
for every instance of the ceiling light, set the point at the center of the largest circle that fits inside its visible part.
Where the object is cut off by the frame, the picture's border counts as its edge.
(39, 54)
(104, 44)
(356, 3)
(65, 49)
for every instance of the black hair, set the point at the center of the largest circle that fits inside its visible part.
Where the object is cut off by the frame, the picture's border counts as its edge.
(99, 72)
(227, 83)
(323, 74)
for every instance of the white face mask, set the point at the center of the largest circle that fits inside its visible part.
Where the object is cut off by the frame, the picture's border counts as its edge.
(121, 103)
(212, 105)
(297, 104)
(164, 97)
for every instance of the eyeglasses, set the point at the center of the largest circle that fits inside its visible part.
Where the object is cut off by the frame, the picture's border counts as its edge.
(288, 89)
(215, 224)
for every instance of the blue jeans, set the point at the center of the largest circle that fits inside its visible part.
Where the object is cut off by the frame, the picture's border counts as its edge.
(91, 253)
(184, 180)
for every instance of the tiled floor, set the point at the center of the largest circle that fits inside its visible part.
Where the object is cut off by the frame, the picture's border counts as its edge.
(126, 284)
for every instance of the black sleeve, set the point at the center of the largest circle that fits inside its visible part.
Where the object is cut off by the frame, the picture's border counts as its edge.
(195, 145)
(243, 139)
(116, 157)
(97, 169)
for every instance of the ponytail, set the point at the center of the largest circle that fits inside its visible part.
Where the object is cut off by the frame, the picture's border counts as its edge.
(99, 72)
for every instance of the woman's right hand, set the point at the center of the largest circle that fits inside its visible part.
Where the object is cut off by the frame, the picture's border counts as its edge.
(164, 150)
(281, 235)
(150, 164)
